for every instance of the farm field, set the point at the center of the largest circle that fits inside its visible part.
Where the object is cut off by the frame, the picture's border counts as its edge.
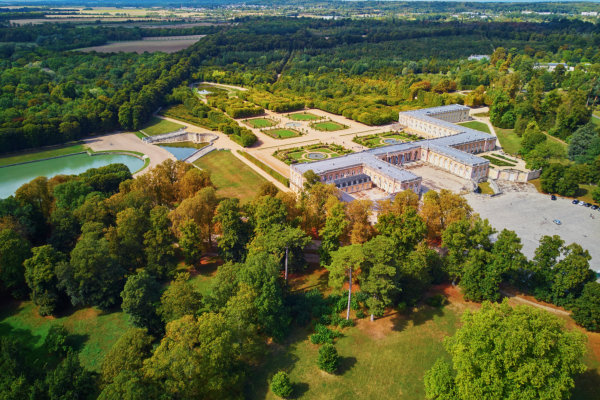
(158, 126)
(477, 125)
(281, 133)
(303, 117)
(328, 126)
(260, 122)
(40, 155)
(169, 44)
(231, 176)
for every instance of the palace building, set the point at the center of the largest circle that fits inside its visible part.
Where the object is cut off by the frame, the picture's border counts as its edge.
(452, 148)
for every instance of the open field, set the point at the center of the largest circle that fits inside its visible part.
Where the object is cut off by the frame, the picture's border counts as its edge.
(94, 332)
(478, 126)
(328, 126)
(40, 155)
(157, 126)
(304, 116)
(169, 44)
(231, 176)
(260, 122)
(509, 140)
(281, 133)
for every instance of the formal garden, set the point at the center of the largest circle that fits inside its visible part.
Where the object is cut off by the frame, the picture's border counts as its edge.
(384, 139)
(314, 152)
(304, 116)
(281, 133)
(260, 122)
(328, 126)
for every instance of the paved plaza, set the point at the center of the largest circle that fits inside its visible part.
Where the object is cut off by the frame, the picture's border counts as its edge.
(530, 214)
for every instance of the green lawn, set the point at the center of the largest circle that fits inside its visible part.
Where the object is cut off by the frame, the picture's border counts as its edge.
(328, 126)
(485, 188)
(385, 359)
(378, 139)
(596, 121)
(192, 145)
(282, 133)
(509, 140)
(94, 332)
(498, 162)
(477, 125)
(303, 117)
(33, 155)
(231, 176)
(158, 126)
(260, 122)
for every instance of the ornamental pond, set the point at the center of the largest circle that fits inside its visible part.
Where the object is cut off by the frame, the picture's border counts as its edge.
(12, 177)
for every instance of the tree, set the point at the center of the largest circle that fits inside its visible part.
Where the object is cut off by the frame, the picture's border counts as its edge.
(507, 252)
(14, 250)
(235, 233)
(92, 277)
(127, 354)
(570, 274)
(141, 295)
(512, 353)
(131, 385)
(179, 299)
(197, 359)
(545, 258)
(328, 359)
(127, 238)
(40, 274)
(480, 278)
(584, 145)
(191, 182)
(281, 385)
(343, 262)
(56, 341)
(378, 274)
(441, 209)
(158, 244)
(586, 311)
(190, 242)
(268, 212)
(310, 179)
(69, 380)
(333, 231)
(406, 229)
(358, 213)
(71, 194)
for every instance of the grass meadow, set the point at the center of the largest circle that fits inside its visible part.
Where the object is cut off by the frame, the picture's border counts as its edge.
(158, 126)
(281, 133)
(304, 116)
(231, 176)
(328, 126)
(477, 125)
(260, 122)
(40, 155)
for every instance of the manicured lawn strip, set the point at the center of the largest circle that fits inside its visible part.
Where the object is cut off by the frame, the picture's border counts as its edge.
(158, 126)
(40, 155)
(504, 157)
(477, 125)
(290, 156)
(498, 162)
(509, 140)
(376, 363)
(303, 117)
(265, 168)
(94, 331)
(485, 188)
(482, 114)
(260, 122)
(328, 126)
(231, 176)
(281, 133)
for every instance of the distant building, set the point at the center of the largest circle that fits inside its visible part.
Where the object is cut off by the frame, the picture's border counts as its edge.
(552, 66)
(478, 57)
(589, 13)
(452, 149)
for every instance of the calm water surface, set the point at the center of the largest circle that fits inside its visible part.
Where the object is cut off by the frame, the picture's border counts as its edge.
(11, 178)
(180, 153)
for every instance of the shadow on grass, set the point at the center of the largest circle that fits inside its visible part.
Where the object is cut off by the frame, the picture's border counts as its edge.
(586, 385)
(279, 357)
(77, 341)
(345, 365)
(299, 389)
(421, 316)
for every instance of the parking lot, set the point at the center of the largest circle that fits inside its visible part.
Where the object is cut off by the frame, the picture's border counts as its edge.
(530, 214)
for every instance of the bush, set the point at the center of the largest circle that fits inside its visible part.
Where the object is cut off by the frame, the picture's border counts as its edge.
(360, 314)
(328, 359)
(323, 335)
(587, 307)
(281, 385)
(437, 300)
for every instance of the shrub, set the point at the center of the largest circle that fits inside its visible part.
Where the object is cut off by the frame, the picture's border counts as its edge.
(323, 335)
(360, 314)
(437, 300)
(281, 385)
(328, 358)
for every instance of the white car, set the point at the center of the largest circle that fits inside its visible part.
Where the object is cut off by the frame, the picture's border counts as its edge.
(557, 222)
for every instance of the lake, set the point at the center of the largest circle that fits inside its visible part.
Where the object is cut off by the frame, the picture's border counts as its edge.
(11, 178)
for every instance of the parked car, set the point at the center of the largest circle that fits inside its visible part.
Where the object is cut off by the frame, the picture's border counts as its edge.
(575, 202)
(557, 222)
(594, 207)
(552, 197)
(582, 203)
(587, 204)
